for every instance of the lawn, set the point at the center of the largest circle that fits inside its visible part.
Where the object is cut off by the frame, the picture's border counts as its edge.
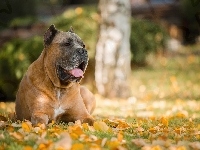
(163, 113)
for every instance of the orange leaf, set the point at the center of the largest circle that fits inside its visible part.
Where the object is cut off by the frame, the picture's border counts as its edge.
(17, 135)
(123, 125)
(42, 147)
(164, 121)
(10, 128)
(178, 130)
(77, 146)
(120, 137)
(78, 130)
(113, 144)
(95, 147)
(27, 148)
(153, 130)
(74, 136)
(26, 126)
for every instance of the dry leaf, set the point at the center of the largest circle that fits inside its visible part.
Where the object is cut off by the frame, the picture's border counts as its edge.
(120, 137)
(65, 141)
(27, 148)
(164, 121)
(195, 145)
(101, 126)
(139, 142)
(77, 146)
(27, 126)
(17, 135)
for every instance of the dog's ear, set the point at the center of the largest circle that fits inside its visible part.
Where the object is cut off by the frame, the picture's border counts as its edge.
(71, 30)
(49, 35)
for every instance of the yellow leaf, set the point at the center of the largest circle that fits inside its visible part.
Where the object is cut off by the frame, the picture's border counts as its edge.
(27, 148)
(113, 144)
(95, 147)
(181, 148)
(157, 147)
(77, 146)
(74, 136)
(164, 121)
(85, 126)
(182, 114)
(26, 126)
(101, 126)
(153, 130)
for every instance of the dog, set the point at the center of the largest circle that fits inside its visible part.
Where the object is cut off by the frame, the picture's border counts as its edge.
(50, 89)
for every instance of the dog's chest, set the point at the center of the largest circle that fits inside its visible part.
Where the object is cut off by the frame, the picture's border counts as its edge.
(58, 110)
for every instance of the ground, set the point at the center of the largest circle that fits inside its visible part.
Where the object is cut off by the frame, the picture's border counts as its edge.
(162, 113)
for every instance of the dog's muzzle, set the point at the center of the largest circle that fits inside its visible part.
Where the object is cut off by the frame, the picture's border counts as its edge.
(72, 69)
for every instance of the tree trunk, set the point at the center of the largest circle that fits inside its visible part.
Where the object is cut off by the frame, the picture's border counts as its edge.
(113, 49)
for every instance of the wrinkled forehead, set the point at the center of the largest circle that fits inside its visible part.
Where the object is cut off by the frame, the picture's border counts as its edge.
(62, 37)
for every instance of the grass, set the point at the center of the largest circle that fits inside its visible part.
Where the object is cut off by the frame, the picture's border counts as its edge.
(163, 113)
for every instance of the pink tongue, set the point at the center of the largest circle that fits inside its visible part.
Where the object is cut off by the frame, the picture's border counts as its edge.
(76, 72)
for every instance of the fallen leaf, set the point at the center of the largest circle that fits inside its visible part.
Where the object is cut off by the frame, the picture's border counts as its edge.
(27, 148)
(77, 146)
(164, 121)
(27, 126)
(17, 135)
(65, 142)
(139, 142)
(195, 145)
(101, 126)
(113, 144)
(120, 137)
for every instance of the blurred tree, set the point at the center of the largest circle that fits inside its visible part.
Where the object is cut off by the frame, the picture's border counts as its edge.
(113, 49)
(191, 27)
(10, 9)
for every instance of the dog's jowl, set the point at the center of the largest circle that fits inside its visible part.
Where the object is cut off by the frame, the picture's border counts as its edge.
(50, 89)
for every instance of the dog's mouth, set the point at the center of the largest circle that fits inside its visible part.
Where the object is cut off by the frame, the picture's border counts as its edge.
(71, 74)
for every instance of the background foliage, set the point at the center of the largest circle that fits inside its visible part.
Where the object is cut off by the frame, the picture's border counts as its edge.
(15, 57)
(146, 37)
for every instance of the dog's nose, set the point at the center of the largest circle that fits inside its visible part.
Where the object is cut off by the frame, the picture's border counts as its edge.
(82, 51)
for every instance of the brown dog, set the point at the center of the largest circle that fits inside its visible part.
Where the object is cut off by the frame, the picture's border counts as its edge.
(50, 89)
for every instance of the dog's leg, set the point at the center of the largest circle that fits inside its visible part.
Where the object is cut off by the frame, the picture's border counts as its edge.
(88, 99)
(39, 117)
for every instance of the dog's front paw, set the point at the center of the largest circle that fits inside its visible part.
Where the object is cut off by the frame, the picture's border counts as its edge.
(39, 118)
(88, 120)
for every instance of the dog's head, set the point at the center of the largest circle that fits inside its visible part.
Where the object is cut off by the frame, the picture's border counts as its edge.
(66, 56)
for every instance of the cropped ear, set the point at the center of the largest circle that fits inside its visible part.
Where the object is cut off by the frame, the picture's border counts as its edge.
(49, 35)
(71, 30)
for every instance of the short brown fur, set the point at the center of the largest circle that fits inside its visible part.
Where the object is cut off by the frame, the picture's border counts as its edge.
(42, 97)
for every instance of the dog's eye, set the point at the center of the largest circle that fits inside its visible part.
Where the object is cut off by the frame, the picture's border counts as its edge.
(67, 44)
(83, 45)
